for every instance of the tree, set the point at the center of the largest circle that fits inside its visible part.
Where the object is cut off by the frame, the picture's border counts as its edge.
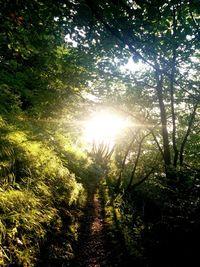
(35, 62)
(165, 36)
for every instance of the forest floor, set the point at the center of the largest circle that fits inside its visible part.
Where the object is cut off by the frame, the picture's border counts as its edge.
(98, 244)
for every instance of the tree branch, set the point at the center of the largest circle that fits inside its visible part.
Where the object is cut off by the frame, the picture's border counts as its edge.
(117, 34)
(144, 179)
(163, 117)
(157, 143)
(136, 162)
(123, 164)
(192, 117)
(173, 70)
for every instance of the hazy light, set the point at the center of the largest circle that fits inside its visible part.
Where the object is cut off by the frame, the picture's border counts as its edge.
(104, 128)
(70, 40)
(132, 66)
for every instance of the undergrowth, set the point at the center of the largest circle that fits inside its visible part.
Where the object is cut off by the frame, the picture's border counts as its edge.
(158, 225)
(38, 192)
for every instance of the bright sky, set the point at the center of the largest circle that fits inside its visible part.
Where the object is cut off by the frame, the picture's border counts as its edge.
(133, 66)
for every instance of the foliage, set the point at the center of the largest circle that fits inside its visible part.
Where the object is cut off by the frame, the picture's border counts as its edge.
(51, 52)
(35, 187)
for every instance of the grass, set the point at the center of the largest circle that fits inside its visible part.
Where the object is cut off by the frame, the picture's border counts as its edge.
(36, 186)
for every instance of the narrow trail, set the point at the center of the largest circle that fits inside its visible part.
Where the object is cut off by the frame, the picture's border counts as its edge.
(91, 251)
(98, 245)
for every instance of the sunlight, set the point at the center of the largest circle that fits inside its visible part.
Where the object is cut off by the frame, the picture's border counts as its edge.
(104, 127)
(132, 66)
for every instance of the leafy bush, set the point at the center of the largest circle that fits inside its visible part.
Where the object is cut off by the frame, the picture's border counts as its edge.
(36, 188)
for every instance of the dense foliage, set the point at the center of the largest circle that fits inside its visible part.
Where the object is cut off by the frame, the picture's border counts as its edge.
(55, 55)
(39, 165)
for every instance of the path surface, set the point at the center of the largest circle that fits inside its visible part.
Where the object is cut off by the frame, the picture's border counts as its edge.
(91, 251)
(98, 245)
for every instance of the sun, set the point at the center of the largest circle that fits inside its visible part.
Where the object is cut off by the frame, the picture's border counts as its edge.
(103, 128)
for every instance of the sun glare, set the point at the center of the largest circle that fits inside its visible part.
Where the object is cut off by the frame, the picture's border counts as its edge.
(104, 127)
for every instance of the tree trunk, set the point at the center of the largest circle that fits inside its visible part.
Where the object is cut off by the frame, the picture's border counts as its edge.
(136, 162)
(163, 118)
(123, 164)
(173, 70)
(192, 117)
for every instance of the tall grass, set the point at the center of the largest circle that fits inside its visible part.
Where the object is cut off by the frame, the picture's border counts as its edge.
(35, 186)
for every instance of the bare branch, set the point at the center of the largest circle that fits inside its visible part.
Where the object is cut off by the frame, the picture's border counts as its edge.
(144, 179)
(190, 124)
(157, 143)
(123, 163)
(136, 161)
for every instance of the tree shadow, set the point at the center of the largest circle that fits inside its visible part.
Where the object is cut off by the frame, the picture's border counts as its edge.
(90, 248)
(118, 253)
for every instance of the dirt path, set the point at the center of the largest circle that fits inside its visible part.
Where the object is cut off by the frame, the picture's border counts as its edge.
(91, 250)
(98, 244)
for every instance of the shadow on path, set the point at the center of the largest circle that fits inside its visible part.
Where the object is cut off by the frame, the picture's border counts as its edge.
(90, 250)
(99, 244)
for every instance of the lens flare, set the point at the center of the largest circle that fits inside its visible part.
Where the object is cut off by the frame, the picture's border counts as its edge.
(104, 127)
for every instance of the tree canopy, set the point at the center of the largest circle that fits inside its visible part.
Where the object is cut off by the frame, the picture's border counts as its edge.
(62, 62)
